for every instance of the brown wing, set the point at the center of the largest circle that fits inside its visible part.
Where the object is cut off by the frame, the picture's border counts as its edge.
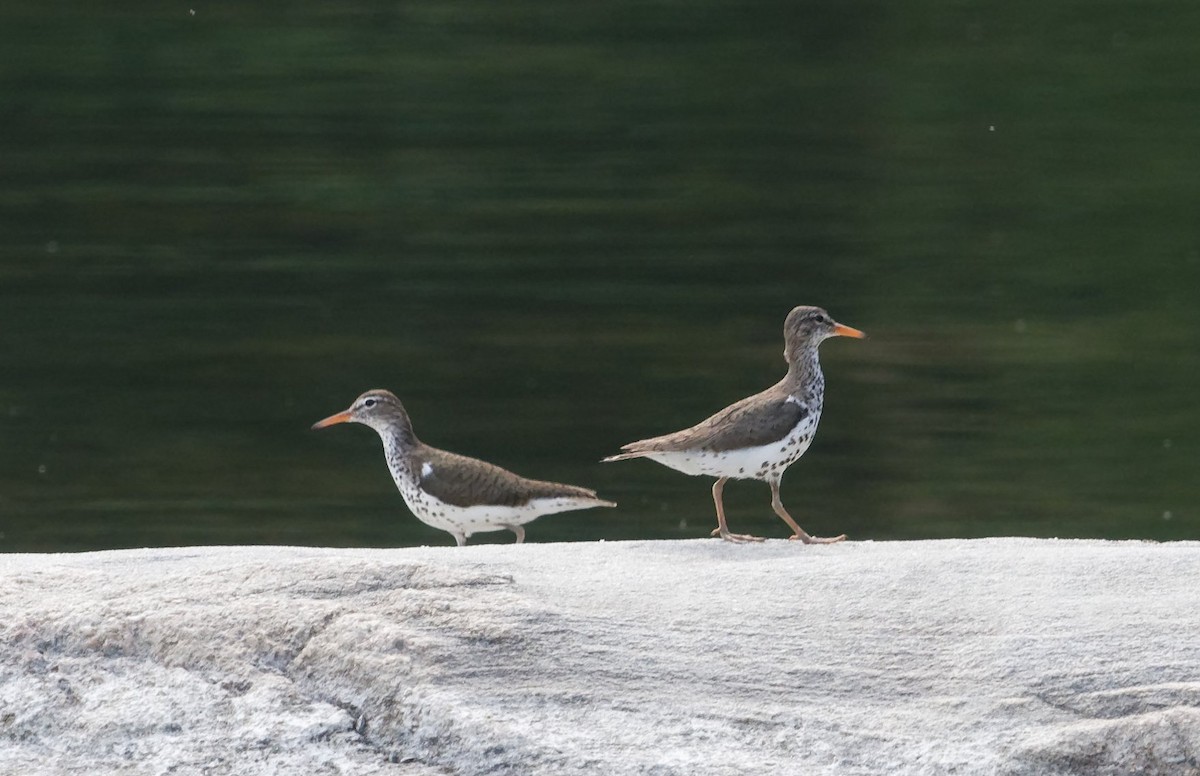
(464, 482)
(754, 421)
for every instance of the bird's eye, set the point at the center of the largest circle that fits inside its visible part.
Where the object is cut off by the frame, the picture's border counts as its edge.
(369, 403)
(820, 318)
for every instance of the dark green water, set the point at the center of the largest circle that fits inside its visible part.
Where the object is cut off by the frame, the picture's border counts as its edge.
(555, 228)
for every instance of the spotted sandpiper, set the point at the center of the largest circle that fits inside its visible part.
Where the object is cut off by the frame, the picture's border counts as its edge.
(454, 493)
(760, 436)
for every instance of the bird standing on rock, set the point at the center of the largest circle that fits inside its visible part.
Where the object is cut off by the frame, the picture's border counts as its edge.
(454, 493)
(760, 436)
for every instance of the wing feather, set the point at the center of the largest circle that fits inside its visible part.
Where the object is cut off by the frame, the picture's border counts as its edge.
(463, 482)
(752, 422)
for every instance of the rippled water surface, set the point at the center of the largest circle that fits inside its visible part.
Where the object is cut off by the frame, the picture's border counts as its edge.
(554, 231)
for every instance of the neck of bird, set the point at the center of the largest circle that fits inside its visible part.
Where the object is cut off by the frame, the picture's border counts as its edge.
(398, 441)
(804, 367)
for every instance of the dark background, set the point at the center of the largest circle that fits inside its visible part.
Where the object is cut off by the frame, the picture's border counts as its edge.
(553, 228)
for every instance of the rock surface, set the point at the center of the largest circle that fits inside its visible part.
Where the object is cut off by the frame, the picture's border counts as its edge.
(996, 656)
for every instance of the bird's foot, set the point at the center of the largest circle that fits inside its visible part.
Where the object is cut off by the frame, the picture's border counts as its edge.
(736, 538)
(803, 537)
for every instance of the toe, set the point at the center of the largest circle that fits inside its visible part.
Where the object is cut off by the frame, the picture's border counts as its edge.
(741, 538)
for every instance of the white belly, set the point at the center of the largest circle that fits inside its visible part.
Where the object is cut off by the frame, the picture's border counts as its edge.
(765, 462)
(476, 519)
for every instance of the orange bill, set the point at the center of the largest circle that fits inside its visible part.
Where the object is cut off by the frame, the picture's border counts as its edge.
(333, 420)
(846, 331)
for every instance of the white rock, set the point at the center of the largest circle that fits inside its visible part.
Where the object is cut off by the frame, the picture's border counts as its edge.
(1012, 656)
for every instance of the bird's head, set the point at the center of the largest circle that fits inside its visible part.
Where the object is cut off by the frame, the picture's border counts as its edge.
(376, 408)
(807, 327)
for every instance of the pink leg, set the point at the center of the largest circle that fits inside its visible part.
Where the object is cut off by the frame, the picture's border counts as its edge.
(797, 531)
(722, 528)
